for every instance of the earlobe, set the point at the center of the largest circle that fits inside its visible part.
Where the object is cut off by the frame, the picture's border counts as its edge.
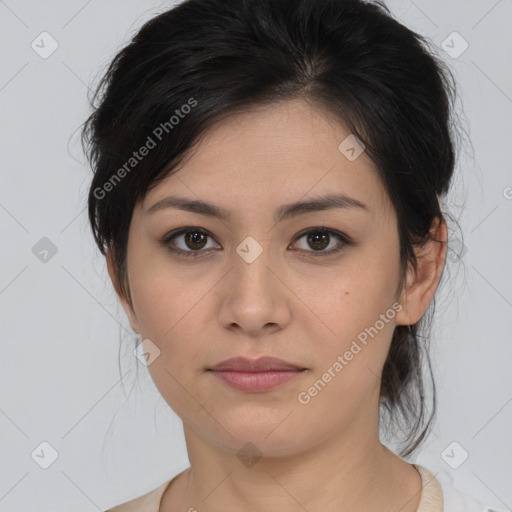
(112, 272)
(423, 281)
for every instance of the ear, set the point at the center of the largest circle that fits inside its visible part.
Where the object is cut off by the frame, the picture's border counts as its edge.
(422, 283)
(112, 272)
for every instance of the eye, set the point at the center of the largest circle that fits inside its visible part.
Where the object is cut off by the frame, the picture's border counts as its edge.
(194, 240)
(320, 238)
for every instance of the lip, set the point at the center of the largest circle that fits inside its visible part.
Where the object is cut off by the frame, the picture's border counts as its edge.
(255, 375)
(262, 364)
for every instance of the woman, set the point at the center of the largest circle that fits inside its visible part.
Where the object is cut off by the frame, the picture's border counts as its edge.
(268, 177)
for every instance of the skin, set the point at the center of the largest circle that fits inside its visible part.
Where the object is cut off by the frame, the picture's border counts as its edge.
(325, 455)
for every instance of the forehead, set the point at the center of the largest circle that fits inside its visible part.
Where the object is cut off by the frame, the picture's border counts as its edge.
(271, 155)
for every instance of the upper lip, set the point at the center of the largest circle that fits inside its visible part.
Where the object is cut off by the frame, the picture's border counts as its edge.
(265, 363)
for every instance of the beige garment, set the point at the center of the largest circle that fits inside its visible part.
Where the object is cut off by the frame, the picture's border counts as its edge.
(431, 496)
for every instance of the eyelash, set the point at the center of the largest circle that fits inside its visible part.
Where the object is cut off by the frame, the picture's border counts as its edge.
(344, 241)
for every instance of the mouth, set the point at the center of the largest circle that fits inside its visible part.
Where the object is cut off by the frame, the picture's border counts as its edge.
(256, 375)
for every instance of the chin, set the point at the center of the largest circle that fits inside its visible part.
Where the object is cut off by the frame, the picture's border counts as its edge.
(263, 437)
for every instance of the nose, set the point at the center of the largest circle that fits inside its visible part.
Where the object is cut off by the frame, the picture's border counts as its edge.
(255, 299)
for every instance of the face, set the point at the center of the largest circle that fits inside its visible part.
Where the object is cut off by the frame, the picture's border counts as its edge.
(314, 287)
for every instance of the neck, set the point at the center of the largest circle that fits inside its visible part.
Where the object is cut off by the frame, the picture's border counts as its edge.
(348, 473)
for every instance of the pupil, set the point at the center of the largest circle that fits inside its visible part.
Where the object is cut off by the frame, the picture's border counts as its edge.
(313, 239)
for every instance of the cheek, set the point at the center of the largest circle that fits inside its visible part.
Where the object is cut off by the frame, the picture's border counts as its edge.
(164, 295)
(349, 364)
(358, 314)
(168, 306)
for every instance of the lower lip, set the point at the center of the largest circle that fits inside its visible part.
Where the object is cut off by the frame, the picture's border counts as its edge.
(256, 381)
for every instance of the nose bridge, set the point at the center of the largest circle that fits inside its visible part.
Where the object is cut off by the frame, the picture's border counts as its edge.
(252, 262)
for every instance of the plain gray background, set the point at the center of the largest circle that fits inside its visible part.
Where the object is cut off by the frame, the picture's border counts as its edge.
(62, 324)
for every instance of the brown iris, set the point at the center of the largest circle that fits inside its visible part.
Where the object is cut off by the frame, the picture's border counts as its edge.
(318, 238)
(194, 237)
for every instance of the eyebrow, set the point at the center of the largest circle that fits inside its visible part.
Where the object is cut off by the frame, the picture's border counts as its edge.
(284, 212)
